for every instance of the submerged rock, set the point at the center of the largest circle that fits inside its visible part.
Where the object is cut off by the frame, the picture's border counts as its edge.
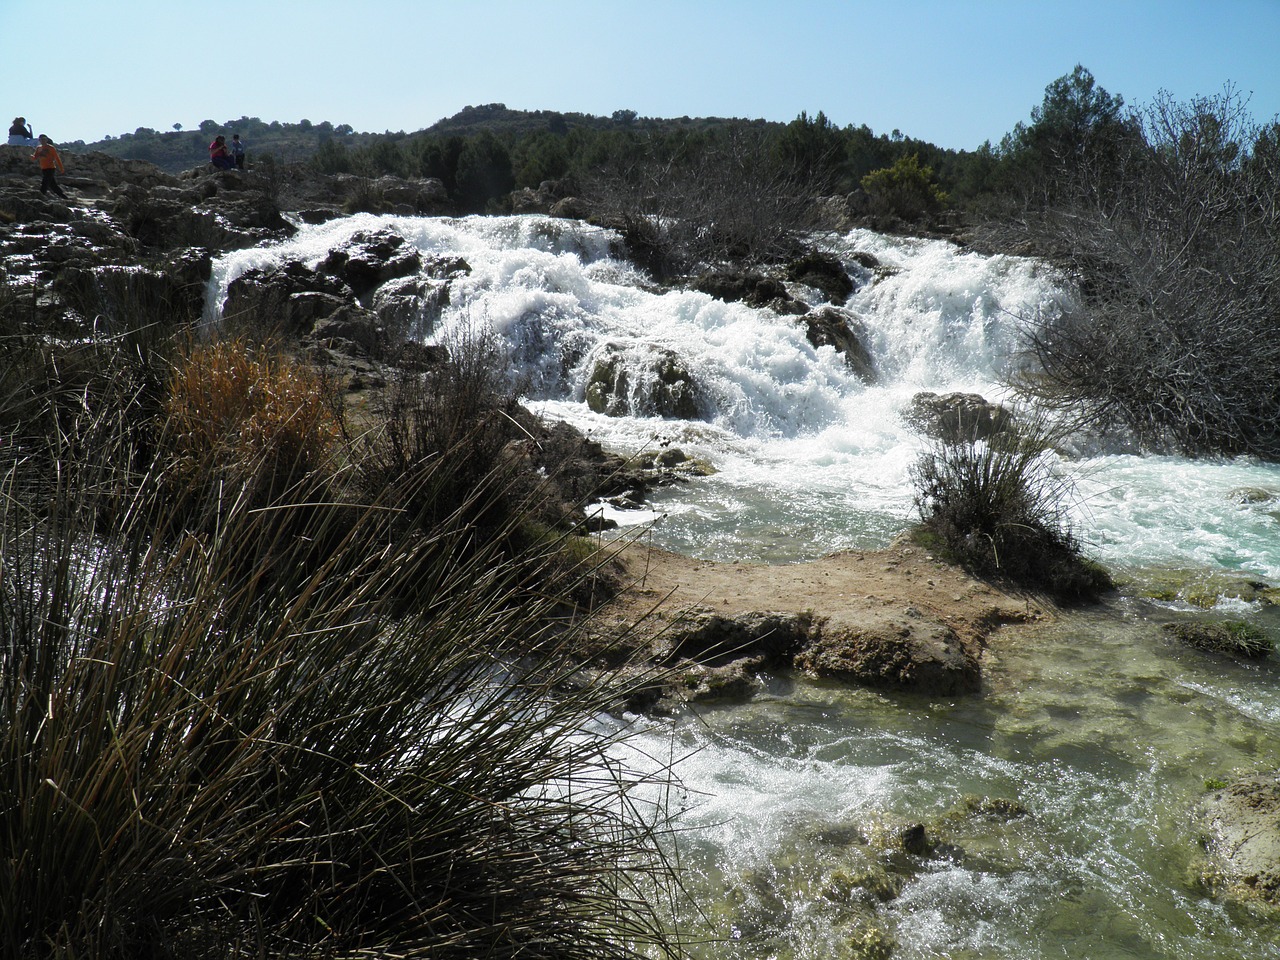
(1243, 840)
(1200, 588)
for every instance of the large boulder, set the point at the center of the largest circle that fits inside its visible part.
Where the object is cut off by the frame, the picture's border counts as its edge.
(660, 386)
(957, 417)
(370, 259)
(289, 298)
(1242, 827)
(832, 327)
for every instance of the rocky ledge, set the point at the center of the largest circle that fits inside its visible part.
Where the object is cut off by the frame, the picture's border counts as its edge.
(896, 619)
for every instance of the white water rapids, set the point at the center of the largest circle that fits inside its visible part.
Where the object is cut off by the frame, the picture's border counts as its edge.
(1105, 736)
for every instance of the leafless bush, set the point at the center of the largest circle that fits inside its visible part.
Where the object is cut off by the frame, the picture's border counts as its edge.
(699, 203)
(1177, 257)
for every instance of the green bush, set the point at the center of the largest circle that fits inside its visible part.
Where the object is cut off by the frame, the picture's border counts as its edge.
(905, 190)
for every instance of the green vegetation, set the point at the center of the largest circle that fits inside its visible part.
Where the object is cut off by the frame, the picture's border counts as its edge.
(997, 507)
(290, 711)
(905, 190)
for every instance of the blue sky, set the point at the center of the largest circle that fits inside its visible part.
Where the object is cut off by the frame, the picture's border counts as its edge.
(952, 73)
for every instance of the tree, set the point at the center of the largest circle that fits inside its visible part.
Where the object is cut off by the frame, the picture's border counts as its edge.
(484, 172)
(813, 148)
(1176, 332)
(1078, 125)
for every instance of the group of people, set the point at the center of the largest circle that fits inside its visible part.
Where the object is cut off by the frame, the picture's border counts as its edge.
(227, 156)
(223, 155)
(46, 154)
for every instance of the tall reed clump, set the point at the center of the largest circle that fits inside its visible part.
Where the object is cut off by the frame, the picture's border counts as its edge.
(240, 412)
(236, 739)
(999, 508)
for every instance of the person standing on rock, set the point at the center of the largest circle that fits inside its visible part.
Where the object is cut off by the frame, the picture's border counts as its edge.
(20, 133)
(237, 151)
(47, 156)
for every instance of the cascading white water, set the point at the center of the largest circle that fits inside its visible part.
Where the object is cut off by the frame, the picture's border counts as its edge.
(1105, 736)
(809, 458)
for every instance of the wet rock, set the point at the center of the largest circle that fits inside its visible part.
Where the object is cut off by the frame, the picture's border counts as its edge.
(582, 468)
(893, 654)
(735, 682)
(830, 327)
(956, 417)
(369, 260)
(753, 289)
(1249, 495)
(713, 639)
(1200, 588)
(1242, 824)
(824, 272)
(410, 306)
(663, 386)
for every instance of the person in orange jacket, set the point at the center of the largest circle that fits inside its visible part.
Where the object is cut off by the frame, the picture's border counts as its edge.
(47, 156)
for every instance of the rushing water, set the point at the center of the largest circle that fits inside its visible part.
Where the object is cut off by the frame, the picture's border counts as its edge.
(1102, 732)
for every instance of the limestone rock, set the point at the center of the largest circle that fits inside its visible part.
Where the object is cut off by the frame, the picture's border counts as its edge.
(894, 653)
(1243, 840)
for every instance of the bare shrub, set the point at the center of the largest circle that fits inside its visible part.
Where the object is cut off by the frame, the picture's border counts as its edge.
(690, 203)
(1176, 253)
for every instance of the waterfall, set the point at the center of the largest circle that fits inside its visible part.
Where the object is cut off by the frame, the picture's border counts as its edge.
(809, 457)
(1062, 795)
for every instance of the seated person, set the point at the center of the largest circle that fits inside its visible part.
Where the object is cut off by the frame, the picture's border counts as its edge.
(219, 155)
(20, 134)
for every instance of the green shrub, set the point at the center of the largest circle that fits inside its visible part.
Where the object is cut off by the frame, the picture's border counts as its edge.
(905, 190)
(1000, 510)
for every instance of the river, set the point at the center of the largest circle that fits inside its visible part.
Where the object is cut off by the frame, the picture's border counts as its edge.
(1059, 804)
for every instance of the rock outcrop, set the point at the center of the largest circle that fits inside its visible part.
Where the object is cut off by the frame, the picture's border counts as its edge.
(957, 417)
(1242, 827)
(897, 620)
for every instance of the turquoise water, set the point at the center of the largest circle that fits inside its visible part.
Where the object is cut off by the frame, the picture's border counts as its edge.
(1097, 732)
(1101, 731)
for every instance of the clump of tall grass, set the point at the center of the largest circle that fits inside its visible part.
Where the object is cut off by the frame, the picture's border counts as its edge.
(237, 739)
(230, 405)
(999, 508)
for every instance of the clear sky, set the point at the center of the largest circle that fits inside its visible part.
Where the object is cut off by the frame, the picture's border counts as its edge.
(954, 73)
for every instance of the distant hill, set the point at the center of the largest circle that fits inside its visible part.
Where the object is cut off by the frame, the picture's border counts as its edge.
(176, 150)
